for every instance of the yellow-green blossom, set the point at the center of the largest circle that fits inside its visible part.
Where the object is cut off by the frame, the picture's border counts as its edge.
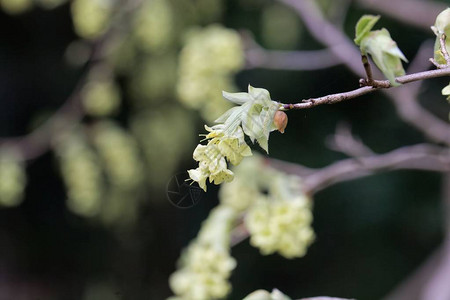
(265, 295)
(213, 157)
(206, 265)
(282, 226)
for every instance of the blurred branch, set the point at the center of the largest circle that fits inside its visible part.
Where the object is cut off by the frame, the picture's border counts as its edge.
(343, 141)
(418, 157)
(257, 57)
(239, 234)
(38, 142)
(327, 33)
(437, 287)
(420, 13)
(410, 288)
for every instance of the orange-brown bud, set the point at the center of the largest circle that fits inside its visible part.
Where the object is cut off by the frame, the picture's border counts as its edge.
(280, 120)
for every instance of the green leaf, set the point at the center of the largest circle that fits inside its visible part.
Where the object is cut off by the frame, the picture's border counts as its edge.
(364, 25)
(385, 53)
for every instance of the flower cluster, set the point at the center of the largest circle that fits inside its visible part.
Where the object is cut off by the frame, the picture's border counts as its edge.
(282, 226)
(265, 295)
(278, 213)
(119, 154)
(14, 7)
(212, 157)
(254, 116)
(207, 64)
(81, 172)
(91, 18)
(206, 264)
(12, 178)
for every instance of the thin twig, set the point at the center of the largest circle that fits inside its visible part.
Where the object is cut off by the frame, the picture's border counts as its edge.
(376, 85)
(444, 49)
(368, 69)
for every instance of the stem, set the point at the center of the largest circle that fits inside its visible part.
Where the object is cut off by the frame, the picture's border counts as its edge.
(376, 85)
(444, 49)
(368, 69)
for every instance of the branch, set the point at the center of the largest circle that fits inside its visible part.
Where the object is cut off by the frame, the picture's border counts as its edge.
(410, 288)
(343, 141)
(327, 33)
(377, 84)
(258, 57)
(418, 157)
(421, 14)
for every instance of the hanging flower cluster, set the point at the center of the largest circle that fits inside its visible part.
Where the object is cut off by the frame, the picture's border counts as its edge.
(281, 225)
(212, 157)
(278, 214)
(254, 117)
(265, 295)
(206, 264)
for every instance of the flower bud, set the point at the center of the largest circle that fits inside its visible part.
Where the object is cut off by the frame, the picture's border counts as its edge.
(280, 121)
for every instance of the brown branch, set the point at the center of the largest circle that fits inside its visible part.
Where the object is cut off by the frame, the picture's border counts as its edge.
(377, 84)
(368, 69)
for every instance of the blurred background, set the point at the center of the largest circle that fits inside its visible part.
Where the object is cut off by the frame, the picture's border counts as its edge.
(102, 103)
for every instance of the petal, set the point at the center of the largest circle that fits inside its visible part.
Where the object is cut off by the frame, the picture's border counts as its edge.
(238, 98)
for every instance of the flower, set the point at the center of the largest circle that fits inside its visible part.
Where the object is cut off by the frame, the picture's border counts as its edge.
(213, 157)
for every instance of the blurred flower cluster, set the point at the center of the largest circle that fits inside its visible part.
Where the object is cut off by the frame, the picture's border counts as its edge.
(206, 265)
(208, 62)
(274, 210)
